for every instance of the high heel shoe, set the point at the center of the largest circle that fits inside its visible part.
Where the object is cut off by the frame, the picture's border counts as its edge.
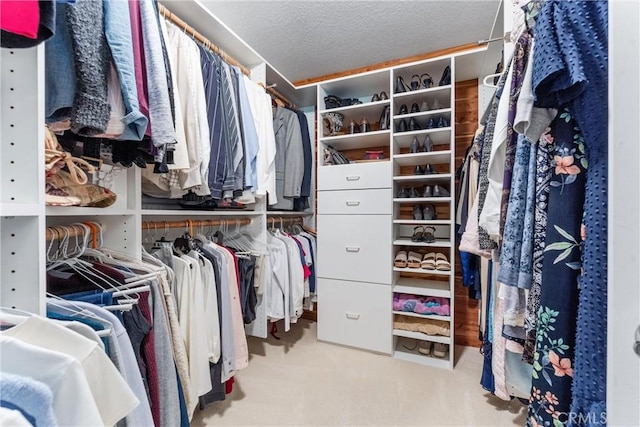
(401, 86)
(364, 125)
(375, 98)
(428, 144)
(402, 126)
(403, 109)
(385, 118)
(413, 124)
(353, 127)
(383, 96)
(427, 81)
(418, 170)
(429, 170)
(436, 105)
(415, 82)
(431, 124)
(414, 146)
(424, 106)
(415, 108)
(443, 123)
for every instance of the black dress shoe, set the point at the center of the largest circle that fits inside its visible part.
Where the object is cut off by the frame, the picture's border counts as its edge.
(443, 123)
(415, 108)
(429, 170)
(383, 96)
(402, 126)
(413, 193)
(403, 109)
(428, 191)
(418, 170)
(413, 124)
(431, 124)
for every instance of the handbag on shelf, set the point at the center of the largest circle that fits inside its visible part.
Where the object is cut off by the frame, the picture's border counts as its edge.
(334, 157)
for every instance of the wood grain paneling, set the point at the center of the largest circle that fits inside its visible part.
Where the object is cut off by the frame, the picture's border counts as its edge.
(466, 119)
(386, 64)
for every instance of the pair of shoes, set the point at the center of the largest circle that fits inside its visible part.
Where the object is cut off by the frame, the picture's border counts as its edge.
(385, 118)
(427, 170)
(359, 128)
(441, 123)
(382, 97)
(423, 234)
(436, 261)
(411, 126)
(423, 80)
(411, 193)
(414, 109)
(415, 147)
(427, 213)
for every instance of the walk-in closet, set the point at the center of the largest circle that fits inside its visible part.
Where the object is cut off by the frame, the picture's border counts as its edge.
(319, 213)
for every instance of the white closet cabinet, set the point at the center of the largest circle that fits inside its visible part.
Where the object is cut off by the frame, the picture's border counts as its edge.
(354, 220)
(362, 221)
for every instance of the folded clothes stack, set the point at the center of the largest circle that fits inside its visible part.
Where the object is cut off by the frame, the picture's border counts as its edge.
(426, 326)
(421, 304)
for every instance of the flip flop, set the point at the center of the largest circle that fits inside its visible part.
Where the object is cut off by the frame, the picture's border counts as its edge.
(401, 260)
(442, 263)
(429, 261)
(414, 259)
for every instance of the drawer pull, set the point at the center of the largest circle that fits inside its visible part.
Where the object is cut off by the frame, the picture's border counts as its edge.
(353, 203)
(353, 316)
(352, 248)
(353, 178)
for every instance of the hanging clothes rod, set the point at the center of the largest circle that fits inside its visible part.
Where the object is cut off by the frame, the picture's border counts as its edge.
(280, 221)
(270, 89)
(202, 39)
(191, 223)
(65, 231)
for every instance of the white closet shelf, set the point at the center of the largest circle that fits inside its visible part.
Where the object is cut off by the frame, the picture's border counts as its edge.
(422, 200)
(352, 141)
(198, 213)
(88, 211)
(412, 356)
(422, 337)
(421, 159)
(439, 243)
(423, 316)
(364, 109)
(431, 288)
(288, 213)
(438, 177)
(439, 136)
(419, 114)
(422, 221)
(20, 209)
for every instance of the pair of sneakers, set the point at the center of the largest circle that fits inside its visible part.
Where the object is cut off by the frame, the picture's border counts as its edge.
(438, 350)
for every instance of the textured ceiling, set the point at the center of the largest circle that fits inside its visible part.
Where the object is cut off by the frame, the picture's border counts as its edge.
(304, 39)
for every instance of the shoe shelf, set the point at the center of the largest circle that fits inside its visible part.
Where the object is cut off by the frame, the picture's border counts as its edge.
(420, 114)
(406, 241)
(431, 178)
(442, 93)
(439, 136)
(422, 221)
(86, 211)
(367, 109)
(414, 356)
(422, 337)
(423, 271)
(423, 316)
(415, 159)
(422, 200)
(428, 288)
(354, 141)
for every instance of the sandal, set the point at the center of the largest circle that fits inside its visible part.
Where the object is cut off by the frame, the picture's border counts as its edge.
(428, 236)
(442, 264)
(418, 236)
(414, 260)
(429, 261)
(401, 259)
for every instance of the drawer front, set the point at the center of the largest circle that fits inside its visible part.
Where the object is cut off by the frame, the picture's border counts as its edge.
(356, 202)
(355, 176)
(355, 247)
(355, 314)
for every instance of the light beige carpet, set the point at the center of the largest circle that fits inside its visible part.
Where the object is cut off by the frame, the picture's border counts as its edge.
(298, 381)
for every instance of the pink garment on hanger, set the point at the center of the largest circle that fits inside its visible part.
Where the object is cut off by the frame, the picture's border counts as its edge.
(20, 17)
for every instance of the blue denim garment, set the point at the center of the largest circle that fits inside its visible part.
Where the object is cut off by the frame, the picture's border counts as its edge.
(60, 71)
(117, 26)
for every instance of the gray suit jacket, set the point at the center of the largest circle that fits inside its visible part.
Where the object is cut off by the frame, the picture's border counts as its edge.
(289, 157)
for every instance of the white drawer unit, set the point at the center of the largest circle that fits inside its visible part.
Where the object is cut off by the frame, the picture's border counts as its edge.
(355, 247)
(355, 314)
(356, 176)
(355, 202)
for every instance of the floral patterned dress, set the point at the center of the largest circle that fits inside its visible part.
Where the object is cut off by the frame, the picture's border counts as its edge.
(550, 399)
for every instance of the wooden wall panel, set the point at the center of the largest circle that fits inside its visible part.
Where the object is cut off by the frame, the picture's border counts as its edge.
(466, 309)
